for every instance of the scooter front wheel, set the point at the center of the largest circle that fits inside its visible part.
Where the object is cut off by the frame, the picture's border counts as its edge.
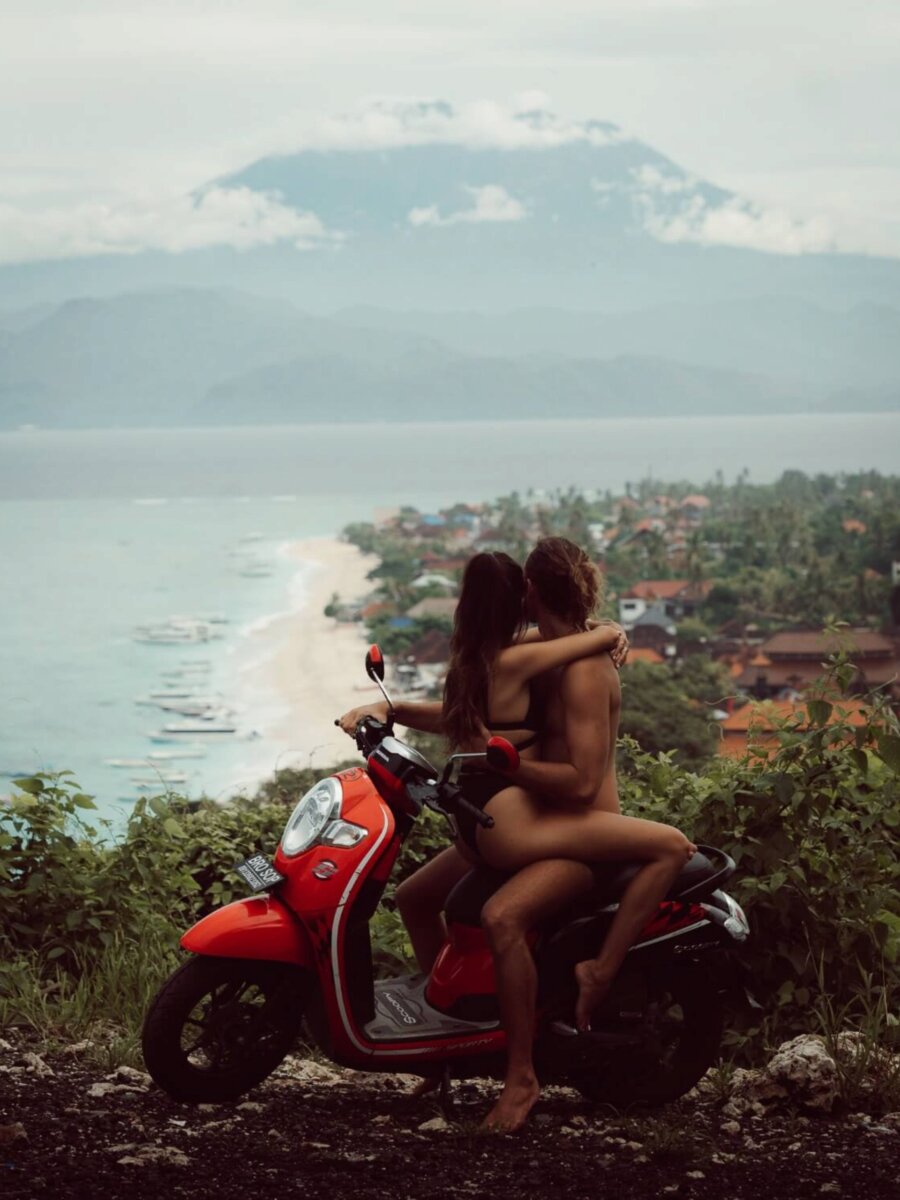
(219, 1026)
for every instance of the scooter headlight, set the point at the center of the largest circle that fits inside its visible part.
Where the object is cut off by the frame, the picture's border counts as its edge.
(321, 804)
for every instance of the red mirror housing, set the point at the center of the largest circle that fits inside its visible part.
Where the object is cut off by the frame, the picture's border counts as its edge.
(502, 755)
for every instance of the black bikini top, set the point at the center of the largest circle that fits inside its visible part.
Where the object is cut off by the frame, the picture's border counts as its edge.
(533, 720)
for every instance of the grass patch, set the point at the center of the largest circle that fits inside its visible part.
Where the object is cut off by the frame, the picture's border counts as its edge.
(102, 1000)
(863, 1037)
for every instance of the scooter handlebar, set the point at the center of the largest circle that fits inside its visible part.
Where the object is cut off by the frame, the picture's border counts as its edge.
(481, 818)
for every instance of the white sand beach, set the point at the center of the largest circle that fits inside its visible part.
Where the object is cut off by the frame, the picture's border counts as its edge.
(304, 669)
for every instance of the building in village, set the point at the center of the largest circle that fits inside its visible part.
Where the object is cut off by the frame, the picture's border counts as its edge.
(756, 725)
(788, 662)
(654, 630)
(677, 597)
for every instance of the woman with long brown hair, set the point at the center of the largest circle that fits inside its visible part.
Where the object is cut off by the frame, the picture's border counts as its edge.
(493, 686)
(552, 813)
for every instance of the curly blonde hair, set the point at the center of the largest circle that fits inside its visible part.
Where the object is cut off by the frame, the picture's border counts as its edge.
(565, 579)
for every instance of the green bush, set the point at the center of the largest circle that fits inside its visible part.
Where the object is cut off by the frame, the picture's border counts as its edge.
(812, 825)
(813, 829)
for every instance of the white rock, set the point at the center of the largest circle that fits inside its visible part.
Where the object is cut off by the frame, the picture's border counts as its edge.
(98, 1090)
(694, 1175)
(251, 1106)
(730, 1127)
(4, 1044)
(435, 1125)
(304, 1070)
(36, 1065)
(805, 1068)
(130, 1075)
(77, 1047)
(751, 1092)
(167, 1155)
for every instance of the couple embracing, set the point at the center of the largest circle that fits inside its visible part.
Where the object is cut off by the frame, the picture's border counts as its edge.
(553, 691)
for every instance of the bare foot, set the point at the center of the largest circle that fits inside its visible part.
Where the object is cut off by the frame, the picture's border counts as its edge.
(593, 984)
(425, 1086)
(511, 1111)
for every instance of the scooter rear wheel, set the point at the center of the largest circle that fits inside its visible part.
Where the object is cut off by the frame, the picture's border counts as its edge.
(680, 1034)
(219, 1026)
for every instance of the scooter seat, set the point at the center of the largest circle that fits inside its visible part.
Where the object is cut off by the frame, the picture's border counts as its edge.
(700, 876)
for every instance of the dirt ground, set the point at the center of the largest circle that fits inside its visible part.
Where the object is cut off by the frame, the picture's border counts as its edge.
(69, 1129)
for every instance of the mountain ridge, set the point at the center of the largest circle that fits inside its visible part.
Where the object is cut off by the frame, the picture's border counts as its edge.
(175, 357)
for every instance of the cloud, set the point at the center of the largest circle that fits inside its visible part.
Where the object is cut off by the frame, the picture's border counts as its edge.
(674, 207)
(218, 216)
(742, 223)
(492, 203)
(388, 122)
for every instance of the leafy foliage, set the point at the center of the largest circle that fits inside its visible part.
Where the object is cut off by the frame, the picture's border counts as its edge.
(813, 830)
(812, 824)
(657, 713)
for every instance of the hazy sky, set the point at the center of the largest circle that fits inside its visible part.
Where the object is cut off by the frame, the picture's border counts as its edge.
(111, 103)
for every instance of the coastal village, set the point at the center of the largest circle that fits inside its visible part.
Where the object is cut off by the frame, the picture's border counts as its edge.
(687, 584)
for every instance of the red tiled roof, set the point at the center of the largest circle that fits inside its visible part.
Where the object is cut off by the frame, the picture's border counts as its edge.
(437, 563)
(667, 589)
(696, 501)
(377, 609)
(851, 525)
(811, 643)
(644, 654)
(765, 716)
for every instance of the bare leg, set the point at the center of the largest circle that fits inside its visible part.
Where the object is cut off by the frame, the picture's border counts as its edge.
(637, 905)
(420, 900)
(525, 832)
(532, 895)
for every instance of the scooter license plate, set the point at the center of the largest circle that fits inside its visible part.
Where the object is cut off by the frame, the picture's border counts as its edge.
(258, 873)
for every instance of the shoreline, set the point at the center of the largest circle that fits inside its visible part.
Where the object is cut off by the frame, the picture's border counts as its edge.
(301, 669)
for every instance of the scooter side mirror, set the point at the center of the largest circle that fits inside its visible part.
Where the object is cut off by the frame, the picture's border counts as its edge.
(375, 663)
(501, 755)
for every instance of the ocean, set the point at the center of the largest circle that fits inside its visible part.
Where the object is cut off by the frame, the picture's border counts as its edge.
(104, 531)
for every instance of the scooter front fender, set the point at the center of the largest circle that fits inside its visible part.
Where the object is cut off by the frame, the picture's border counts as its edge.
(255, 927)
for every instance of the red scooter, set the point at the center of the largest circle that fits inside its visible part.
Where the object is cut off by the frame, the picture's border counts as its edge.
(298, 954)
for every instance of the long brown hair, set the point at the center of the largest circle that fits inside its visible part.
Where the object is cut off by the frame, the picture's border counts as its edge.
(565, 579)
(488, 617)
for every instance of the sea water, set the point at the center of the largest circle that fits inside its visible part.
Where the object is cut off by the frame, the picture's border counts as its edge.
(102, 531)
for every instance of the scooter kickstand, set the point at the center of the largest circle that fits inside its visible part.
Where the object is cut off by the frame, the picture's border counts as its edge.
(446, 1094)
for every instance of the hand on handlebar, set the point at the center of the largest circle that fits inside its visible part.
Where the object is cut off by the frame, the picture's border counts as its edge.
(349, 721)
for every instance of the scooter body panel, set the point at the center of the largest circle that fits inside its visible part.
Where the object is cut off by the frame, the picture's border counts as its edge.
(318, 881)
(255, 927)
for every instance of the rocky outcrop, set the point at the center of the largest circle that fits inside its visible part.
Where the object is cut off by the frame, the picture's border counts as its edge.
(804, 1073)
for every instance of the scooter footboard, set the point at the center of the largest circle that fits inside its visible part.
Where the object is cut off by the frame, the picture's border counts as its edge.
(255, 927)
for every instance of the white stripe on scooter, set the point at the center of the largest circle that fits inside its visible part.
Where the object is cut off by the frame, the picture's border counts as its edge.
(665, 937)
(335, 961)
(335, 964)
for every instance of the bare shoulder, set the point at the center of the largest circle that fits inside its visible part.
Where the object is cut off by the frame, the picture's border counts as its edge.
(596, 675)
